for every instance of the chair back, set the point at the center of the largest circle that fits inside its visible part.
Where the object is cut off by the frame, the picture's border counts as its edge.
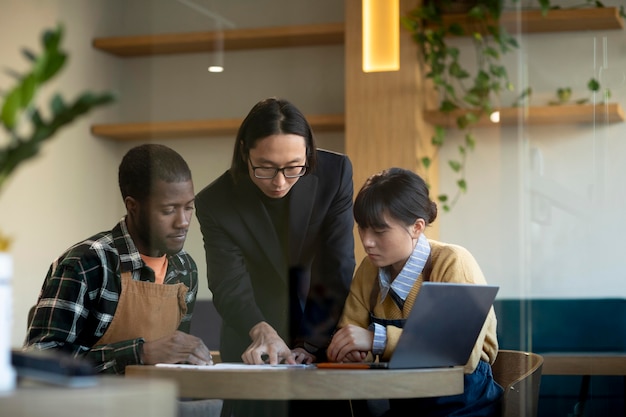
(519, 373)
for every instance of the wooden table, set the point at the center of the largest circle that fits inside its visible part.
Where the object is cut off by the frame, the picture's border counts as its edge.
(599, 363)
(309, 383)
(587, 365)
(111, 396)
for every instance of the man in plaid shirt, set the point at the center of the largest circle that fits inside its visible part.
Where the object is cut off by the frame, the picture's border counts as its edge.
(126, 296)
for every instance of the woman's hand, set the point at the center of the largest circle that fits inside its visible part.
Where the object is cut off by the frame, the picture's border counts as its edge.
(350, 344)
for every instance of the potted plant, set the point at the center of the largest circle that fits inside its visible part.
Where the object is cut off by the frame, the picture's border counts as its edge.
(26, 130)
(19, 113)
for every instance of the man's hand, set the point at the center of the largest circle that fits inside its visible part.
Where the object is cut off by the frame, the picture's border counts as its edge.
(179, 347)
(266, 347)
(350, 344)
(301, 355)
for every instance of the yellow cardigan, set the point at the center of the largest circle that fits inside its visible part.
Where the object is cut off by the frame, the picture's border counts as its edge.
(450, 263)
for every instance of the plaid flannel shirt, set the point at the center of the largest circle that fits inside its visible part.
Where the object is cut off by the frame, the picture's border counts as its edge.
(80, 295)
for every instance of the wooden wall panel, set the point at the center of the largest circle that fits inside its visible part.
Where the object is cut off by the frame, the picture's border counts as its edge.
(384, 123)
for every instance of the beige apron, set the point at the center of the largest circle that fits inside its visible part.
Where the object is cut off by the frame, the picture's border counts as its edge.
(147, 310)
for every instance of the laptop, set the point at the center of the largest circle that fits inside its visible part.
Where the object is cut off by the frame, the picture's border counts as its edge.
(441, 330)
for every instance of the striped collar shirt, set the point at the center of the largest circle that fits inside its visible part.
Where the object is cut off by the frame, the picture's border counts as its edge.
(409, 273)
(401, 286)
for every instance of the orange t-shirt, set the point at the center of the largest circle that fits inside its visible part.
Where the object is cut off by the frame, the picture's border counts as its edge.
(158, 265)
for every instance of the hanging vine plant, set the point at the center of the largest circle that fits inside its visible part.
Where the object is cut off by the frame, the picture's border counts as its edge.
(456, 87)
(467, 96)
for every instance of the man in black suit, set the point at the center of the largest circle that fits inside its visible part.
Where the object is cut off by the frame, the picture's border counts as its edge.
(278, 236)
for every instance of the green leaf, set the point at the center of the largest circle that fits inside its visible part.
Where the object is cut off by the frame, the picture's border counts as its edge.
(442, 198)
(473, 99)
(51, 66)
(498, 70)
(57, 105)
(447, 106)
(455, 165)
(510, 86)
(439, 137)
(467, 118)
(512, 42)
(564, 94)
(51, 39)
(461, 122)
(11, 107)
(449, 89)
(52, 59)
(470, 141)
(29, 86)
(476, 12)
(482, 78)
(426, 162)
(545, 6)
(462, 185)
(453, 53)
(593, 85)
(491, 52)
(437, 79)
(477, 36)
(15, 154)
(35, 117)
(471, 117)
(29, 55)
(457, 71)
(456, 30)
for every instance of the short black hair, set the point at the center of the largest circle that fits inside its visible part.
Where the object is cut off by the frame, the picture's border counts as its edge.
(400, 193)
(143, 165)
(271, 116)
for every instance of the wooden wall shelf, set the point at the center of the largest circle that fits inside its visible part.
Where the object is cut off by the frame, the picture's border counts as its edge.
(234, 39)
(557, 20)
(199, 128)
(530, 21)
(539, 115)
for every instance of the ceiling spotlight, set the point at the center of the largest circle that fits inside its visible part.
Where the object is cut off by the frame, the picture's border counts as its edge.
(217, 56)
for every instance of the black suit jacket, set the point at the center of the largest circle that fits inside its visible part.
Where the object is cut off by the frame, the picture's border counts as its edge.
(248, 271)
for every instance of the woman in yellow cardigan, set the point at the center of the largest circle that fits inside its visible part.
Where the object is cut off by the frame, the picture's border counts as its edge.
(392, 211)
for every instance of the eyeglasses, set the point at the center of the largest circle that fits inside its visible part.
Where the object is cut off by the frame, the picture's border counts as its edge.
(267, 173)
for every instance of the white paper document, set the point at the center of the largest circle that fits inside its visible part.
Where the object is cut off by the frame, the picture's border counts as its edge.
(235, 365)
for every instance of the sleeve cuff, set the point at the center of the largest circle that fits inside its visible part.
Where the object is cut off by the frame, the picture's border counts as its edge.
(380, 339)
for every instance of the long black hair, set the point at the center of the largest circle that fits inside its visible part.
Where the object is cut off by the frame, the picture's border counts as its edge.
(269, 117)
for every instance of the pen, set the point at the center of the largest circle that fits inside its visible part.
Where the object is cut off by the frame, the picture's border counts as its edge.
(343, 365)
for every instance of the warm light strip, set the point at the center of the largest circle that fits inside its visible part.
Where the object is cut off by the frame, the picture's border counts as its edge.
(381, 35)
